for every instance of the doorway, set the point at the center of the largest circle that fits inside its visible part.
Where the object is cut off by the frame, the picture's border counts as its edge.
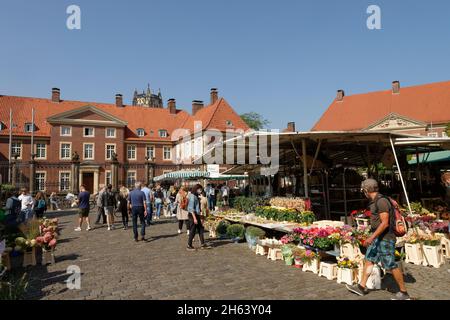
(88, 181)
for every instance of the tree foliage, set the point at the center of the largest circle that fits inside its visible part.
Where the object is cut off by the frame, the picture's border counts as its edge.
(254, 120)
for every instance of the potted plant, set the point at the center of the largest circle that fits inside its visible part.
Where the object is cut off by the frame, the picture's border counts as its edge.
(221, 229)
(347, 270)
(236, 232)
(287, 253)
(413, 249)
(252, 234)
(310, 261)
(432, 251)
(297, 254)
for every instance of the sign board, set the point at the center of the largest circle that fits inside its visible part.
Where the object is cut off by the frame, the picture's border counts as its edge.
(213, 170)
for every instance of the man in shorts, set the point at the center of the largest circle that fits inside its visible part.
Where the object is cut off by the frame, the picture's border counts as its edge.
(83, 207)
(381, 244)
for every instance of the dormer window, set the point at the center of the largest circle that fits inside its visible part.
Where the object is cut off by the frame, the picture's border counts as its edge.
(29, 127)
(140, 132)
(163, 133)
(2, 126)
(229, 123)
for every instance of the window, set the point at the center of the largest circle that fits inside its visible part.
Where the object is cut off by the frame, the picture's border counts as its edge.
(110, 132)
(150, 152)
(40, 181)
(131, 152)
(41, 149)
(187, 149)
(66, 131)
(131, 179)
(65, 150)
(167, 153)
(2, 126)
(198, 147)
(444, 135)
(29, 127)
(140, 132)
(433, 135)
(16, 149)
(110, 148)
(64, 181)
(229, 123)
(88, 153)
(163, 133)
(88, 132)
(108, 178)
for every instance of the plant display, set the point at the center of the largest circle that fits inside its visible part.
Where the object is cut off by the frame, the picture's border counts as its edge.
(221, 228)
(235, 231)
(287, 250)
(297, 204)
(13, 289)
(248, 204)
(255, 232)
(362, 213)
(36, 233)
(290, 215)
(346, 263)
(431, 240)
(317, 237)
(441, 227)
(308, 256)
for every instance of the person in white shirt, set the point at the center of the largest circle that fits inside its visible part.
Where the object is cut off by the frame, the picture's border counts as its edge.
(27, 204)
(225, 194)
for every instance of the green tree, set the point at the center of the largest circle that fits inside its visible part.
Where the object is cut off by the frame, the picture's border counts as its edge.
(255, 120)
(447, 129)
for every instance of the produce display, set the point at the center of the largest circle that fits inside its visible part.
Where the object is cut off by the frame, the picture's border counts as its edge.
(297, 204)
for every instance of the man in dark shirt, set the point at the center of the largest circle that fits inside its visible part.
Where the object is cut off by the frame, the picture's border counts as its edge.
(381, 244)
(138, 208)
(83, 207)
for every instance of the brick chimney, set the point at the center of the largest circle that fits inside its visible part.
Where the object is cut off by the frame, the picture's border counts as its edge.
(172, 105)
(340, 95)
(56, 95)
(396, 87)
(196, 106)
(290, 127)
(119, 100)
(214, 95)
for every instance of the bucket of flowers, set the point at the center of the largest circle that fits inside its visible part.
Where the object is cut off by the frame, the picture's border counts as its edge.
(310, 261)
(347, 270)
(297, 254)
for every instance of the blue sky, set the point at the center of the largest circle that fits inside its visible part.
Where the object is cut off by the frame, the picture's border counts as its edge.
(283, 59)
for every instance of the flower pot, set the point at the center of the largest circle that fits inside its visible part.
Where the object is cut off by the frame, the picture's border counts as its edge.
(289, 261)
(414, 253)
(312, 266)
(345, 275)
(48, 257)
(212, 233)
(29, 258)
(298, 263)
(433, 256)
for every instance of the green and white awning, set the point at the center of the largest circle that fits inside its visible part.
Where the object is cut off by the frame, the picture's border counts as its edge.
(192, 175)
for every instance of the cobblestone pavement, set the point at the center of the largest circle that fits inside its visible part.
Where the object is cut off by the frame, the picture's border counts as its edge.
(113, 266)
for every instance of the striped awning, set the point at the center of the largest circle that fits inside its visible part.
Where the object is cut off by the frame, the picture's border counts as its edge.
(189, 175)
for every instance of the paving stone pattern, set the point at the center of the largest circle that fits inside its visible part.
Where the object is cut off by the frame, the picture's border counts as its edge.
(113, 266)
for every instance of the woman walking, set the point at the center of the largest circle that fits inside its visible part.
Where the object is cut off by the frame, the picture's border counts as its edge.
(122, 206)
(195, 220)
(40, 205)
(181, 202)
(159, 201)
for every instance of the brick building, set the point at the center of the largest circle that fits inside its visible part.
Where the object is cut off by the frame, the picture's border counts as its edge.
(419, 110)
(96, 143)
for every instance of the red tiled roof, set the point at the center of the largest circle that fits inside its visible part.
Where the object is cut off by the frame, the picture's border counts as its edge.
(150, 119)
(429, 103)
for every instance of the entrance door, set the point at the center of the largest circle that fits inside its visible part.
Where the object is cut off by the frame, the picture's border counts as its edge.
(88, 181)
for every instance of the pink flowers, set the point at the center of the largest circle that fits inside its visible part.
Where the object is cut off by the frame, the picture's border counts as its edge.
(52, 243)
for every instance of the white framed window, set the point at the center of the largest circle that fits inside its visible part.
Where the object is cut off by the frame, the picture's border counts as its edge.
(64, 180)
(16, 148)
(187, 149)
(110, 132)
(29, 127)
(163, 133)
(444, 134)
(65, 150)
(108, 177)
(150, 152)
(131, 152)
(41, 151)
(66, 131)
(40, 178)
(433, 135)
(131, 178)
(88, 132)
(167, 153)
(198, 147)
(140, 132)
(88, 151)
(109, 149)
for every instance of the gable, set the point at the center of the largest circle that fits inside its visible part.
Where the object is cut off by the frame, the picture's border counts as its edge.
(87, 115)
(396, 122)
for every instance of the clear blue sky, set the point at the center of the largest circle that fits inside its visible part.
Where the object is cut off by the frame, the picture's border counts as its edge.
(283, 59)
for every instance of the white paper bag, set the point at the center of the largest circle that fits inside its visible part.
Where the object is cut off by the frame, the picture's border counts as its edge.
(374, 281)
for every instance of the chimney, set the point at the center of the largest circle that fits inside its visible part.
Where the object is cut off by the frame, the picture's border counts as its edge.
(56, 95)
(119, 100)
(196, 106)
(396, 87)
(214, 95)
(172, 105)
(340, 95)
(290, 127)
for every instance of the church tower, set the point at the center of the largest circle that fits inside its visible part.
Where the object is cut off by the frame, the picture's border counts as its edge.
(148, 99)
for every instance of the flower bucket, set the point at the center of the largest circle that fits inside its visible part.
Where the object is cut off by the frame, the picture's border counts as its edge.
(433, 256)
(29, 258)
(289, 261)
(48, 257)
(414, 253)
(312, 266)
(298, 263)
(345, 275)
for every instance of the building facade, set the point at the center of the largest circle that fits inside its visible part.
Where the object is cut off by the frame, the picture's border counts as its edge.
(95, 143)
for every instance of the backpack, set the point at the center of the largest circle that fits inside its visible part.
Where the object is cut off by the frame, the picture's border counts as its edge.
(397, 223)
(184, 202)
(41, 204)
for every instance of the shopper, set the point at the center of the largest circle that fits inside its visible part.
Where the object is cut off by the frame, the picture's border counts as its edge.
(40, 205)
(53, 202)
(100, 208)
(27, 204)
(182, 201)
(13, 208)
(446, 182)
(148, 201)
(83, 207)
(211, 195)
(195, 220)
(122, 206)
(109, 204)
(225, 194)
(137, 207)
(159, 201)
(381, 244)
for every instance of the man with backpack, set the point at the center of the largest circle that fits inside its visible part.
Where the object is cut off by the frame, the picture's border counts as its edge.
(12, 209)
(381, 244)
